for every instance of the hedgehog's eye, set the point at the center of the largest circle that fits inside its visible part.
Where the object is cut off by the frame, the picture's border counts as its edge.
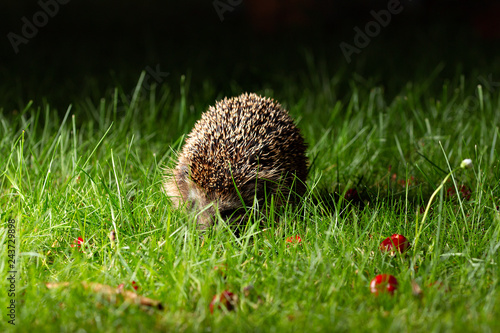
(184, 171)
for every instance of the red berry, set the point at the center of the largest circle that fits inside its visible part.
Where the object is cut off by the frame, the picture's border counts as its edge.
(450, 192)
(134, 285)
(226, 299)
(221, 270)
(352, 195)
(77, 242)
(395, 242)
(294, 240)
(383, 283)
(407, 182)
(465, 192)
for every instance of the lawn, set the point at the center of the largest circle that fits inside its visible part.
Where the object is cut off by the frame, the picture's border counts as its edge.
(83, 187)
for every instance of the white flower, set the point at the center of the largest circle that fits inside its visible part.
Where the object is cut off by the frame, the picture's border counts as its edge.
(467, 163)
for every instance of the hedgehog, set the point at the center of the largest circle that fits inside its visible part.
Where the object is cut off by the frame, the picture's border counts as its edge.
(242, 151)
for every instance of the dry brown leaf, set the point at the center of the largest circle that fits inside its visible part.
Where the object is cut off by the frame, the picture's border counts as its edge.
(109, 292)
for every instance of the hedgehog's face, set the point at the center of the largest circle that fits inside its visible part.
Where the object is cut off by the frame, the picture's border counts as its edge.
(231, 203)
(183, 190)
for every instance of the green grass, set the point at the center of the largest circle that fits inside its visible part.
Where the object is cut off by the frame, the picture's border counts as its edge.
(98, 167)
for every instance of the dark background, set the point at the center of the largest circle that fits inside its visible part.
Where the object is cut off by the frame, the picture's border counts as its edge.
(89, 47)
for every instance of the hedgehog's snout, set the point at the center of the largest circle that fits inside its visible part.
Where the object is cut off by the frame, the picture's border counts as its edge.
(208, 205)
